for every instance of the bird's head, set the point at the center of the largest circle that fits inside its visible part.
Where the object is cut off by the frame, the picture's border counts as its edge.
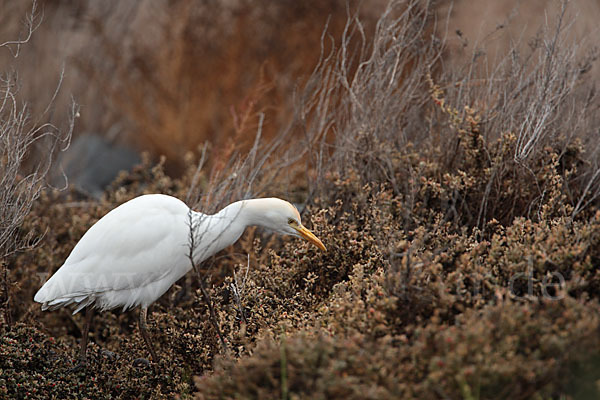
(282, 217)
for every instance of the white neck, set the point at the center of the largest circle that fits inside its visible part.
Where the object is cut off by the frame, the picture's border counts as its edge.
(215, 232)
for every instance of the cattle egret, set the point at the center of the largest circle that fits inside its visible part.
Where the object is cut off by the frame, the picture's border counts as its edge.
(133, 255)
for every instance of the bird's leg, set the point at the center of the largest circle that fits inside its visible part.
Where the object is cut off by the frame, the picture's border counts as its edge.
(89, 313)
(144, 330)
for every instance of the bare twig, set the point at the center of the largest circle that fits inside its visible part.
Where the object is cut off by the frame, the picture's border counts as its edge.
(27, 149)
(205, 294)
(32, 22)
(237, 288)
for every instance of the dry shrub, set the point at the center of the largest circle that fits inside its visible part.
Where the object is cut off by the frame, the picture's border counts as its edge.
(484, 224)
(445, 322)
(28, 144)
(529, 121)
(438, 320)
(496, 353)
(493, 145)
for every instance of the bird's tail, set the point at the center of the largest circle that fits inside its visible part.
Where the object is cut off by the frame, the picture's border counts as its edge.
(52, 297)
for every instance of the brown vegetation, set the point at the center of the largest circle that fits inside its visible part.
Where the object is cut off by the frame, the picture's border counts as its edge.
(170, 76)
(460, 212)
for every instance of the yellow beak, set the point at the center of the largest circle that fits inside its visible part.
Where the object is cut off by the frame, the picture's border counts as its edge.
(309, 236)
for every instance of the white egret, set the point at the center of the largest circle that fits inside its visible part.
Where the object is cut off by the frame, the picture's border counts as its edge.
(133, 254)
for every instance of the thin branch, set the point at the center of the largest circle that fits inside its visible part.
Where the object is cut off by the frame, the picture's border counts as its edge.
(32, 22)
(205, 294)
(237, 289)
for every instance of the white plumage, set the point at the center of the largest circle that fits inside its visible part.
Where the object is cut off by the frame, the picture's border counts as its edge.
(133, 255)
(122, 260)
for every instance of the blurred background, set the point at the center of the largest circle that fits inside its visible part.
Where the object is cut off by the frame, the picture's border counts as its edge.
(167, 77)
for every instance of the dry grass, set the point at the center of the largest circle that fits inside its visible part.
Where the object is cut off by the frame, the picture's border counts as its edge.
(27, 147)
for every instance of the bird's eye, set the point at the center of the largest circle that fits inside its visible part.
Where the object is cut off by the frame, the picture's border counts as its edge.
(292, 221)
